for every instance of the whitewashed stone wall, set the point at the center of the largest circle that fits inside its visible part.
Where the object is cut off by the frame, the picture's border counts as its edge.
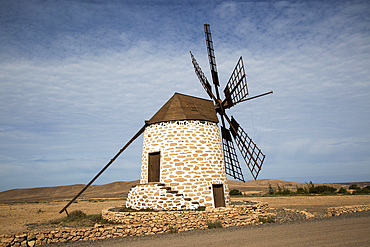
(191, 160)
(156, 196)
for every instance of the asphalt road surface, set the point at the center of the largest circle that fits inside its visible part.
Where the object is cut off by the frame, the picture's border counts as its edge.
(346, 230)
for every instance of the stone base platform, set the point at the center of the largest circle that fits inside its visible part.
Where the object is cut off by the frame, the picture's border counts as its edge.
(162, 221)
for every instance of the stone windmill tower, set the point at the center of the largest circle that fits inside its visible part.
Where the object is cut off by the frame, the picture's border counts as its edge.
(186, 156)
(182, 161)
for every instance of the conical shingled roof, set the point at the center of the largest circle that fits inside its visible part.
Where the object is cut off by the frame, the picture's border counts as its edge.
(185, 107)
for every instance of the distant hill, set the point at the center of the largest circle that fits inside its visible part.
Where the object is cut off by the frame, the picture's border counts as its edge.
(120, 189)
(116, 189)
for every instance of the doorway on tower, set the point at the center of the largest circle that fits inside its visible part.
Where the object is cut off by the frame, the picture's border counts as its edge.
(218, 195)
(154, 167)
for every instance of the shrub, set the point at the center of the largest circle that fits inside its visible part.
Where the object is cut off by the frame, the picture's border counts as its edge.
(76, 215)
(200, 208)
(321, 189)
(353, 187)
(173, 229)
(268, 219)
(365, 190)
(79, 218)
(235, 192)
(279, 188)
(301, 190)
(214, 224)
(281, 191)
(271, 190)
(342, 191)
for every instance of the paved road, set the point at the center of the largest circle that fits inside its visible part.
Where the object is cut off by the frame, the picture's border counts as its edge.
(346, 230)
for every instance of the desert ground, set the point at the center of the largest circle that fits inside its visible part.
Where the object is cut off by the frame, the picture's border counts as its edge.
(25, 209)
(23, 216)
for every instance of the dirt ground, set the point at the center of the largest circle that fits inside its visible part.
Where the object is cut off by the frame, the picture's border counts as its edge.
(20, 217)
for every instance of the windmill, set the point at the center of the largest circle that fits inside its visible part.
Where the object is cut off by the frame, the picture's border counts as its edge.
(179, 170)
(236, 91)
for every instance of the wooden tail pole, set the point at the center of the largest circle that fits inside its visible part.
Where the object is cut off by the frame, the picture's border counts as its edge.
(257, 96)
(102, 170)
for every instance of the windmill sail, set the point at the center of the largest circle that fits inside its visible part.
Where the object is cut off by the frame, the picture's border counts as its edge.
(236, 89)
(231, 160)
(211, 54)
(202, 78)
(252, 155)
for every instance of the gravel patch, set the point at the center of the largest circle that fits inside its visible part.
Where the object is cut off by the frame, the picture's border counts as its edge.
(284, 216)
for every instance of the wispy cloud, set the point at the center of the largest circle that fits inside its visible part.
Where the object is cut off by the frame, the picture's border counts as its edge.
(79, 78)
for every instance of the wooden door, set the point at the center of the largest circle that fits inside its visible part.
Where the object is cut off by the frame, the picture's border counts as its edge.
(154, 167)
(218, 195)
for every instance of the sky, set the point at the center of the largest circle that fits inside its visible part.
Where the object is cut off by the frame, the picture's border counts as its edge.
(79, 78)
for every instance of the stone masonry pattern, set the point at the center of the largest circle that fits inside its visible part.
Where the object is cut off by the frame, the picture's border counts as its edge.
(158, 197)
(191, 160)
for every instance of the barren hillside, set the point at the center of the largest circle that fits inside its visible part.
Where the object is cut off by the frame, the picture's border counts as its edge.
(116, 189)
(120, 189)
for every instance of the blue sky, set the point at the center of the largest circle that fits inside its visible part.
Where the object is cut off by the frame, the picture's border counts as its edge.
(78, 79)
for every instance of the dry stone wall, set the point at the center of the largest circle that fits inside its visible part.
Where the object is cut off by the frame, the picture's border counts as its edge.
(143, 223)
(191, 160)
(336, 211)
(190, 219)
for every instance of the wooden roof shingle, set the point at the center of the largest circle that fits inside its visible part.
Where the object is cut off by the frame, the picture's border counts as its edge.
(185, 107)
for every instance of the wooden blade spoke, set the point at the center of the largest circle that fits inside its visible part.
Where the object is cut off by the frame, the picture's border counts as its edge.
(231, 160)
(236, 89)
(252, 155)
(202, 78)
(211, 54)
